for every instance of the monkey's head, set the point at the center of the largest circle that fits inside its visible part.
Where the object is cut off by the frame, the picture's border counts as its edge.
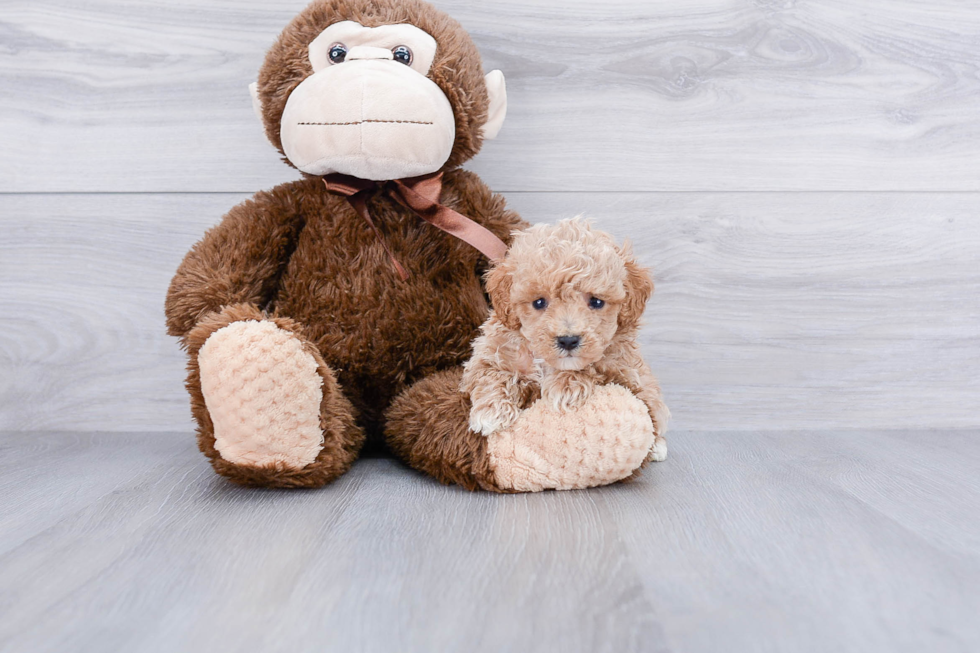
(377, 89)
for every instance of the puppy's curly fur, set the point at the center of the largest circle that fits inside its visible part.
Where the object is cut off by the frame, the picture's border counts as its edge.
(567, 304)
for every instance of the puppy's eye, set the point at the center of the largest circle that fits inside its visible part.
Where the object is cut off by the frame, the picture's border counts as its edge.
(596, 303)
(540, 303)
(337, 53)
(402, 54)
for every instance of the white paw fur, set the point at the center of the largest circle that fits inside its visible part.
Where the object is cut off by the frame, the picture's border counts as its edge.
(488, 420)
(658, 453)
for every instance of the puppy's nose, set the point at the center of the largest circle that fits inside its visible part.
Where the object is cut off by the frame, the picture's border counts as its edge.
(568, 343)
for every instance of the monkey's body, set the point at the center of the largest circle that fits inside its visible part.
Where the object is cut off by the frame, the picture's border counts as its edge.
(309, 257)
(302, 338)
(377, 332)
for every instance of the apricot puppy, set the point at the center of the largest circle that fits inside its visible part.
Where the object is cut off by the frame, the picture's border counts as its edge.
(567, 305)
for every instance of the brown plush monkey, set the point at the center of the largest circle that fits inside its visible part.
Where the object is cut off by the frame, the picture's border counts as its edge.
(315, 317)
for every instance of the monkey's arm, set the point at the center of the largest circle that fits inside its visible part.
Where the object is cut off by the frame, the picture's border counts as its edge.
(238, 261)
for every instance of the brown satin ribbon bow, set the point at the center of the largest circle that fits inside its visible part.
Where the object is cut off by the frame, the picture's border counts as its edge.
(421, 195)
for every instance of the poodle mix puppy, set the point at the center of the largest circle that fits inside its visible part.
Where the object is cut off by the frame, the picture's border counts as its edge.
(567, 306)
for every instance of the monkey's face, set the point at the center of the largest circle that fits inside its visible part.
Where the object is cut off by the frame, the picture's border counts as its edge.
(368, 109)
(381, 101)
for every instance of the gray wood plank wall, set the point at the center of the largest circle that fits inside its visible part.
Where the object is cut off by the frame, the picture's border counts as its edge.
(804, 178)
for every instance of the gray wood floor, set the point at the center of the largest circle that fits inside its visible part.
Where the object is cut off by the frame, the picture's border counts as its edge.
(749, 541)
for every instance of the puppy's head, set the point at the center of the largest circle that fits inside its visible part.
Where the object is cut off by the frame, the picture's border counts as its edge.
(568, 289)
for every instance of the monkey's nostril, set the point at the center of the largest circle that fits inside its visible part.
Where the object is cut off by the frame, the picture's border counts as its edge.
(568, 343)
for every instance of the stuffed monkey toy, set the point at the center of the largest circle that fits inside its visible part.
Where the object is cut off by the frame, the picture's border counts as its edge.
(339, 308)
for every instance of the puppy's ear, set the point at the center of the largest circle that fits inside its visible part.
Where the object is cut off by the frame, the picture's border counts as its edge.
(500, 279)
(639, 287)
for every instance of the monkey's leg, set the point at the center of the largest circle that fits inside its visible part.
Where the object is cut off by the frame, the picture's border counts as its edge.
(603, 441)
(427, 426)
(269, 410)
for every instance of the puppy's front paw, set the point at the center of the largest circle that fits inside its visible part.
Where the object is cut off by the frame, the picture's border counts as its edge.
(567, 391)
(658, 453)
(490, 419)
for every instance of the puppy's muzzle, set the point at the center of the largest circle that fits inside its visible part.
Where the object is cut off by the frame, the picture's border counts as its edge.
(568, 343)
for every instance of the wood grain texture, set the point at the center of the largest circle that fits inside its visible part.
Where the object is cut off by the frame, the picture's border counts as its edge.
(145, 95)
(741, 541)
(772, 310)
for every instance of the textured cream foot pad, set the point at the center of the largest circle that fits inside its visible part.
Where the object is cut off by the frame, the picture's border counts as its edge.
(599, 443)
(263, 393)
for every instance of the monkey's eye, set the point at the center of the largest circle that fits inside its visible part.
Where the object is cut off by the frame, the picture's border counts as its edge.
(540, 304)
(402, 54)
(337, 53)
(596, 303)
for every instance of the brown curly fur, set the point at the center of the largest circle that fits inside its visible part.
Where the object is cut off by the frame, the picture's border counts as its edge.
(303, 256)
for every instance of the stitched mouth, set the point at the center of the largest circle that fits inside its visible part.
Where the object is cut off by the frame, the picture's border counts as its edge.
(360, 122)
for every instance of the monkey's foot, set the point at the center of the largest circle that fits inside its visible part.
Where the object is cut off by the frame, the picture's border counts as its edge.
(263, 395)
(603, 441)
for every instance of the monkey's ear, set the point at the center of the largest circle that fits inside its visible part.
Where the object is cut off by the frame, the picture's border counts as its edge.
(497, 89)
(253, 90)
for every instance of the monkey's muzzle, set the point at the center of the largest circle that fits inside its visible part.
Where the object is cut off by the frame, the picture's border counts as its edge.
(372, 119)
